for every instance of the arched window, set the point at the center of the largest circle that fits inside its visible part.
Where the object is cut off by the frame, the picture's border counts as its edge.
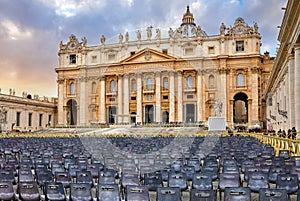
(165, 83)
(211, 81)
(190, 82)
(149, 83)
(72, 88)
(94, 88)
(240, 80)
(133, 85)
(112, 85)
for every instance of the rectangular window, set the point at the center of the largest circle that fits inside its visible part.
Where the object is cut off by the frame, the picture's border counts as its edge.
(111, 57)
(30, 119)
(132, 53)
(165, 97)
(112, 99)
(240, 46)
(211, 50)
(18, 119)
(189, 51)
(40, 120)
(133, 98)
(94, 59)
(189, 96)
(73, 59)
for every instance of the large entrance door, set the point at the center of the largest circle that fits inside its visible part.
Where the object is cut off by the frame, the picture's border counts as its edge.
(133, 118)
(149, 114)
(240, 108)
(112, 112)
(72, 112)
(165, 117)
(190, 113)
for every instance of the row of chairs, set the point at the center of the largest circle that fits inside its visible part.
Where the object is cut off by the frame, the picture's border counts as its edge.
(232, 161)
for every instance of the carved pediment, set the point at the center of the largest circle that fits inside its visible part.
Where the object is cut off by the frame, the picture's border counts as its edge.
(148, 55)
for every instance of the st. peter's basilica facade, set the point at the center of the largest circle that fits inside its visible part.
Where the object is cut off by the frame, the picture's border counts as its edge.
(154, 75)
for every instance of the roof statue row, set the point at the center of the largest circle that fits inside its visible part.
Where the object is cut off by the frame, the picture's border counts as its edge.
(187, 29)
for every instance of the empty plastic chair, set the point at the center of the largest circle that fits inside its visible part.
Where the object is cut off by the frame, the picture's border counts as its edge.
(153, 181)
(257, 181)
(285, 154)
(25, 175)
(137, 193)
(274, 171)
(237, 194)
(289, 182)
(229, 180)
(129, 179)
(64, 178)
(202, 181)
(55, 192)
(7, 191)
(108, 192)
(202, 195)
(28, 191)
(80, 192)
(168, 194)
(267, 194)
(178, 180)
(84, 177)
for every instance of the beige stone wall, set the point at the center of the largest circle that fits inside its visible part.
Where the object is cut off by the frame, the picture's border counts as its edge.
(212, 62)
(42, 111)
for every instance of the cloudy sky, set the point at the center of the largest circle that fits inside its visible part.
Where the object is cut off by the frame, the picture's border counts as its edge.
(31, 30)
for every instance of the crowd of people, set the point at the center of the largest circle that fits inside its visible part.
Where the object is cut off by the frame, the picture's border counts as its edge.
(290, 134)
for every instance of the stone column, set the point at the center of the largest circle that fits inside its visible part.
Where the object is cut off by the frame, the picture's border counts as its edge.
(179, 97)
(102, 111)
(291, 92)
(139, 109)
(172, 98)
(126, 97)
(120, 102)
(82, 111)
(223, 92)
(157, 97)
(249, 112)
(230, 120)
(254, 83)
(60, 103)
(199, 95)
(297, 87)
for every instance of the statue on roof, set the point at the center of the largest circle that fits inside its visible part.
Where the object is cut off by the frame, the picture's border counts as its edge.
(222, 29)
(171, 32)
(84, 41)
(102, 39)
(120, 38)
(138, 35)
(149, 33)
(126, 37)
(157, 34)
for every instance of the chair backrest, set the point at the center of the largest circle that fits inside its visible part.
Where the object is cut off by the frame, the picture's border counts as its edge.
(7, 191)
(109, 192)
(267, 194)
(202, 181)
(257, 181)
(80, 191)
(237, 194)
(137, 193)
(178, 180)
(284, 154)
(202, 195)
(229, 180)
(55, 191)
(289, 182)
(274, 171)
(168, 194)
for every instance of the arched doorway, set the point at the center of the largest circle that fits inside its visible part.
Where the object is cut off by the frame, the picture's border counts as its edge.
(72, 112)
(240, 108)
(165, 117)
(149, 114)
